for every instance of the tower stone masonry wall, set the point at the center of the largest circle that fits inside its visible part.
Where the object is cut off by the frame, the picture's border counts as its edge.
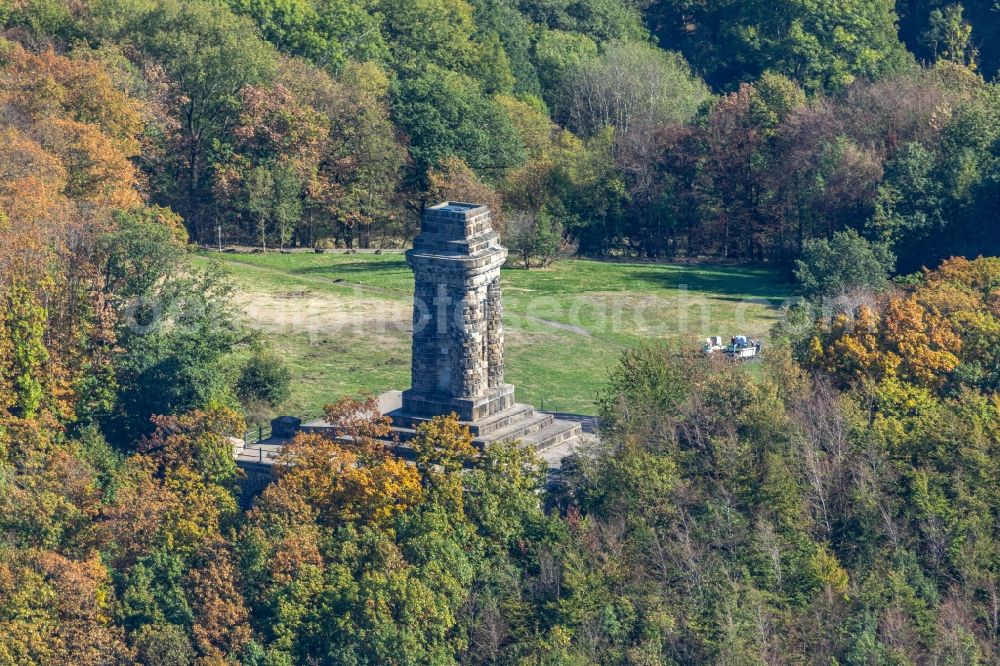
(494, 332)
(457, 315)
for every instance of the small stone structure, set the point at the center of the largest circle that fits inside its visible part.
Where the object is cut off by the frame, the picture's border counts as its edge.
(458, 346)
(285, 427)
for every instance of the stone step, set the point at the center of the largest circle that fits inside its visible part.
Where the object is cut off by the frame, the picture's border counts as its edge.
(501, 420)
(522, 428)
(537, 429)
(478, 428)
(518, 430)
(556, 433)
(404, 434)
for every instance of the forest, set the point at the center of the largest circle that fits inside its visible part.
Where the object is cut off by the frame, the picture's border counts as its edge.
(837, 503)
(732, 129)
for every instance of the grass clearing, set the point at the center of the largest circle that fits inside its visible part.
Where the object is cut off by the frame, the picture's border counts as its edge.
(343, 321)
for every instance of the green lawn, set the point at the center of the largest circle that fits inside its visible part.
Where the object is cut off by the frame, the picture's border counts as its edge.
(343, 321)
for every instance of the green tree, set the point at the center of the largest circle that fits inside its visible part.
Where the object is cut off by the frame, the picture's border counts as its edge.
(557, 52)
(504, 500)
(145, 247)
(422, 32)
(930, 202)
(43, 19)
(328, 32)
(493, 69)
(534, 238)
(174, 325)
(911, 201)
(821, 45)
(446, 114)
(601, 20)
(22, 325)
(968, 29)
(212, 55)
(260, 200)
(641, 387)
(949, 35)
(265, 378)
(516, 33)
(287, 202)
(629, 86)
(845, 263)
(175, 341)
(164, 645)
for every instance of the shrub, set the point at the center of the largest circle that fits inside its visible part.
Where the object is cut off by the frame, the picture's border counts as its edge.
(264, 379)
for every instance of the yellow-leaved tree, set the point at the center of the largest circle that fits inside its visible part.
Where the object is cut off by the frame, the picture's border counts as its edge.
(901, 340)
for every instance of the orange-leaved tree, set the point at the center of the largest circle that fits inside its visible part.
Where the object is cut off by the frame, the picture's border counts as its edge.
(340, 485)
(360, 425)
(70, 133)
(903, 339)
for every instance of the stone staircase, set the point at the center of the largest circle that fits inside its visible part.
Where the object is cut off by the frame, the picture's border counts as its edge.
(520, 422)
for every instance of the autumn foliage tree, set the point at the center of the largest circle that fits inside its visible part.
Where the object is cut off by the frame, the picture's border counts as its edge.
(907, 338)
(360, 425)
(67, 166)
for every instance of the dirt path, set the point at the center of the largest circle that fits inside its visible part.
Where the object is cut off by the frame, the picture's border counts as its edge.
(318, 313)
(314, 312)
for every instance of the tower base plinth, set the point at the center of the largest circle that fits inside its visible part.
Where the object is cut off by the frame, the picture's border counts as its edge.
(468, 409)
(514, 422)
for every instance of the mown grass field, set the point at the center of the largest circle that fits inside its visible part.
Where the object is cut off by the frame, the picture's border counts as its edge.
(343, 321)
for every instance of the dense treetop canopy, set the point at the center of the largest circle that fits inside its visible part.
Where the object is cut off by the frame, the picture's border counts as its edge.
(838, 504)
(733, 129)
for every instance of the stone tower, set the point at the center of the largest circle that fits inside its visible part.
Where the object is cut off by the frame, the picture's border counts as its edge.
(458, 356)
(457, 315)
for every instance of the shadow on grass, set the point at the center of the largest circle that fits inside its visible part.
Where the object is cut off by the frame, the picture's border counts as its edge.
(356, 267)
(729, 284)
(389, 277)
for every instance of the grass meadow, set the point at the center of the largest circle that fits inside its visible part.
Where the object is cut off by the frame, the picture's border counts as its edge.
(343, 321)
